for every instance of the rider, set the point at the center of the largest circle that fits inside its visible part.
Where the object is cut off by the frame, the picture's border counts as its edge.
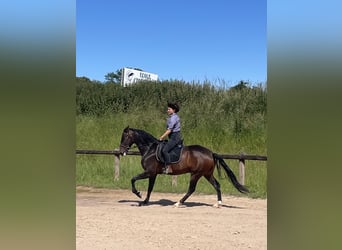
(173, 131)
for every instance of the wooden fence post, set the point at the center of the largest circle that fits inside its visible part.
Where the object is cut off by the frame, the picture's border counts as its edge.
(116, 167)
(174, 180)
(242, 171)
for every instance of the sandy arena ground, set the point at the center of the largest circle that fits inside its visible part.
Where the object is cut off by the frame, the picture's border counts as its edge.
(111, 219)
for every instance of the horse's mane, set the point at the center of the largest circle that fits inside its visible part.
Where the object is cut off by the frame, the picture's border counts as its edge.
(145, 135)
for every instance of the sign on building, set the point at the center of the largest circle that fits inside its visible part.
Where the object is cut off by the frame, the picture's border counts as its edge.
(130, 76)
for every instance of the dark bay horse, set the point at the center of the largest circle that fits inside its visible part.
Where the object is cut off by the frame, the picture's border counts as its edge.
(195, 159)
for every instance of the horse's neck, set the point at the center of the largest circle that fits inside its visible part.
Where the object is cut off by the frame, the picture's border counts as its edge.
(145, 148)
(145, 143)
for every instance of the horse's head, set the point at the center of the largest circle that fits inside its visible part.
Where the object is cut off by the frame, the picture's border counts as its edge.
(127, 139)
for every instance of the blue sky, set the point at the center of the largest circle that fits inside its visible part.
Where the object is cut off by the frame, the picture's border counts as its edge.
(217, 40)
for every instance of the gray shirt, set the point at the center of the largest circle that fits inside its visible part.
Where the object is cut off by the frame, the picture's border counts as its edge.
(173, 123)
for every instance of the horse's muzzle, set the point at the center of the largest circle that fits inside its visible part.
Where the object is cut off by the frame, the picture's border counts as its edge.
(123, 150)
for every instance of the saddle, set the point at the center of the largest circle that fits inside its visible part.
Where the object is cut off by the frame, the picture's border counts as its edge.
(175, 152)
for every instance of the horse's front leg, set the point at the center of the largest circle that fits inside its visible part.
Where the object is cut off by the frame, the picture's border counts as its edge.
(151, 181)
(141, 176)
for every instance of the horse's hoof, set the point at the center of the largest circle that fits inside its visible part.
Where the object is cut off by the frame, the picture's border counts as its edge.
(218, 205)
(144, 203)
(179, 205)
(137, 194)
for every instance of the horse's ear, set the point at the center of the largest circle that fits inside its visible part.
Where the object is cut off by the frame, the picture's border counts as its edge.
(126, 129)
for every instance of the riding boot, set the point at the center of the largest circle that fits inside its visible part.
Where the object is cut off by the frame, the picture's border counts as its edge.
(166, 163)
(167, 169)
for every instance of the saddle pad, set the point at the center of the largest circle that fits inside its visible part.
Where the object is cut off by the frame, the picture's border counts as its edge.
(175, 153)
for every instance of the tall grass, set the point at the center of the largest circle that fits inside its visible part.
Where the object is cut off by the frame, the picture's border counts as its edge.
(223, 120)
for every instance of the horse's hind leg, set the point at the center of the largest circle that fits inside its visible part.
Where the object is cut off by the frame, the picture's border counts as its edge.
(217, 187)
(192, 186)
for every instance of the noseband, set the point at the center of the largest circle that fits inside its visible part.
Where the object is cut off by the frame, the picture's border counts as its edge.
(126, 147)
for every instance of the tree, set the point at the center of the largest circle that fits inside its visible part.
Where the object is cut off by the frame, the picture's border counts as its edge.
(114, 77)
(83, 79)
(241, 85)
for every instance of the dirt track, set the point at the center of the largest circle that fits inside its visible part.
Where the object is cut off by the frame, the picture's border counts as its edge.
(111, 219)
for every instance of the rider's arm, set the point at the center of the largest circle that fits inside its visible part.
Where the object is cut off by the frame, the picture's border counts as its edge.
(166, 133)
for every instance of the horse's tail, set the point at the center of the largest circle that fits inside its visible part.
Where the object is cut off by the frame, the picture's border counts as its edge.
(220, 162)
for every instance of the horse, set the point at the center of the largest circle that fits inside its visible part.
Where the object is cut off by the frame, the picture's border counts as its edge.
(195, 159)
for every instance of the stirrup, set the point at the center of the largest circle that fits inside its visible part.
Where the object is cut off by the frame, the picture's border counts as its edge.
(166, 169)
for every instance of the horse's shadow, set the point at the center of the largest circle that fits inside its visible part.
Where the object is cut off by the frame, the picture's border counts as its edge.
(166, 202)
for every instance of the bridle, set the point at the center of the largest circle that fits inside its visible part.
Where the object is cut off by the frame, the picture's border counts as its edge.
(126, 147)
(129, 136)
